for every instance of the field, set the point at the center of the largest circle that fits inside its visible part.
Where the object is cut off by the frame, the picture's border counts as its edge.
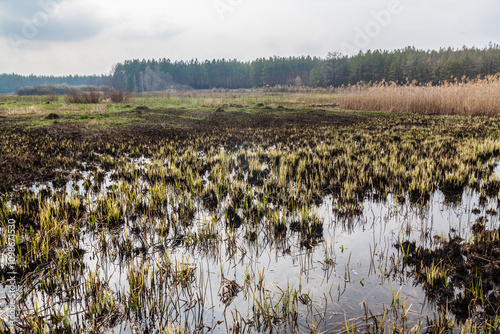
(215, 212)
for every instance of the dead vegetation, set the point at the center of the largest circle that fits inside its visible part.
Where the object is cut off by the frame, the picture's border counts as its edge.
(91, 95)
(477, 97)
(31, 110)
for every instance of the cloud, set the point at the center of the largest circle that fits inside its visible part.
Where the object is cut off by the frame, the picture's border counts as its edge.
(27, 7)
(50, 20)
(63, 29)
(155, 27)
(89, 36)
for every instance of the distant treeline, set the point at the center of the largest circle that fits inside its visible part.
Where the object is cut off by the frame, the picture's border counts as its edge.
(402, 65)
(10, 83)
(151, 75)
(409, 64)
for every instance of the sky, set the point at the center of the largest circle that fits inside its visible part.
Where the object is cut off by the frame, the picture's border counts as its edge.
(61, 37)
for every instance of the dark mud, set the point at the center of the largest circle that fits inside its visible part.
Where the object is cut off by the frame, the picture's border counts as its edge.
(34, 154)
(461, 276)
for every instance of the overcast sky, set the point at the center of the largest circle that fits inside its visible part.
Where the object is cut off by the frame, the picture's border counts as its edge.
(89, 36)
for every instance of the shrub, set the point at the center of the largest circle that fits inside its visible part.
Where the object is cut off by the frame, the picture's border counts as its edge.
(52, 98)
(118, 96)
(89, 95)
(44, 90)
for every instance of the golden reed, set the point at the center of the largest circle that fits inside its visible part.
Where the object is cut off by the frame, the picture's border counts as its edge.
(462, 97)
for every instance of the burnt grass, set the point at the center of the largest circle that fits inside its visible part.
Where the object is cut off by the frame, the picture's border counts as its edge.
(33, 154)
(294, 159)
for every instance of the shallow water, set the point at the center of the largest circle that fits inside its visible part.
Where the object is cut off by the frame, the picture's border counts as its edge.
(356, 263)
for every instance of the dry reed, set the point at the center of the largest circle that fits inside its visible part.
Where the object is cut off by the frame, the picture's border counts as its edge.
(462, 97)
(31, 110)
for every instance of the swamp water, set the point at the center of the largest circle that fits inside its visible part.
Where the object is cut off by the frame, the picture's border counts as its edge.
(213, 274)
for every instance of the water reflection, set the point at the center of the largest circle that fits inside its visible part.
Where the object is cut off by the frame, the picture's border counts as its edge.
(396, 256)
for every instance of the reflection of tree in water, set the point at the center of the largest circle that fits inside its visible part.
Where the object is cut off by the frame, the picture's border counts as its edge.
(460, 276)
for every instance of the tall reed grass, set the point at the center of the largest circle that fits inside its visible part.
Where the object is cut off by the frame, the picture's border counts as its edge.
(462, 97)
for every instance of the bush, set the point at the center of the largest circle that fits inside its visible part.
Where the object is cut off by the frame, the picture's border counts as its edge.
(89, 95)
(44, 90)
(117, 96)
(52, 98)
(75, 94)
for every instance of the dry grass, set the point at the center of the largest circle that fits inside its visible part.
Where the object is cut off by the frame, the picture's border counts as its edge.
(68, 107)
(31, 110)
(304, 97)
(100, 108)
(213, 101)
(312, 99)
(464, 97)
(94, 122)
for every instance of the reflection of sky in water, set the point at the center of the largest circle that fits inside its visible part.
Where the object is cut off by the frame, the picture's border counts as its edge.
(351, 244)
(362, 250)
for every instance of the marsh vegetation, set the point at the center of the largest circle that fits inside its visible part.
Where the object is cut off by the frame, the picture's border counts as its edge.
(476, 97)
(243, 212)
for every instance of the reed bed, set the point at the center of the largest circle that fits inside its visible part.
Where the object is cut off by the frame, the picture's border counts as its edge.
(477, 97)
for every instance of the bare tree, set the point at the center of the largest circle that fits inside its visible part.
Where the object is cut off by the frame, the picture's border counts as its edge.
(333, 68)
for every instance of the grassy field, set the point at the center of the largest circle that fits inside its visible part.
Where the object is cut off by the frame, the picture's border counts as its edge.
(245, 211)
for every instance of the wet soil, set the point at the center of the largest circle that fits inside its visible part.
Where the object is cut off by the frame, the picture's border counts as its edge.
(467, 273)
(466, 278)
(43, 154)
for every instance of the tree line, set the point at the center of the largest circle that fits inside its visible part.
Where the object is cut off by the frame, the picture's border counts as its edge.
(407, 65)
(402, 65)
(150, 75)
(10, 83)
